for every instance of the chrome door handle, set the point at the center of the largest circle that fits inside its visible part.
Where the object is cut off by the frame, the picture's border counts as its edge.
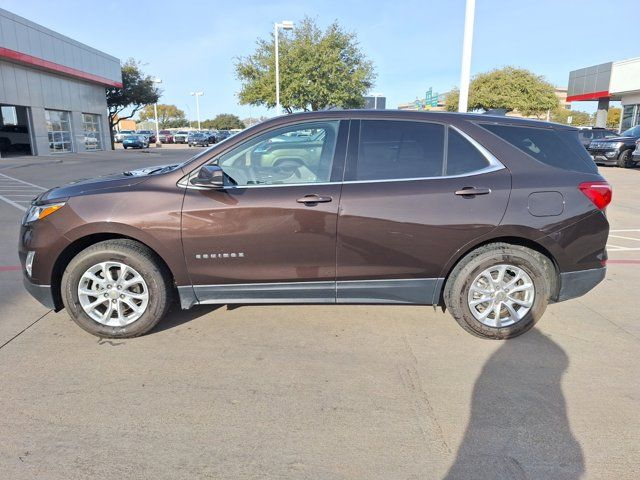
(471, 191)
(313, 199)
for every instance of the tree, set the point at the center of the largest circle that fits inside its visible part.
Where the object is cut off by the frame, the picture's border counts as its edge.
(224, 121)
(318, 70)
(613, 118)
(167, 114)
(451, 100)
(578, 118)
(510, 89)
(137, 91)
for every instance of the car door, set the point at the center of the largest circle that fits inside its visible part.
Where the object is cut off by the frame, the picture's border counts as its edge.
(270, 234)
(414, 193)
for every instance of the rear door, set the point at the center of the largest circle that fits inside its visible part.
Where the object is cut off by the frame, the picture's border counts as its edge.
(414, 193)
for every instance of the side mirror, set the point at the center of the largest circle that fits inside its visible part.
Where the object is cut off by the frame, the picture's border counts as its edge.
(209, 176)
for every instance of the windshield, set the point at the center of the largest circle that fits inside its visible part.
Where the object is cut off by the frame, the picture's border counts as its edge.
(632, 132)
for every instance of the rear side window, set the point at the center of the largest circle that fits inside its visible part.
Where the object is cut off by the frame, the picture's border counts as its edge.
(462, 157)
(399, 149)
(558, 148)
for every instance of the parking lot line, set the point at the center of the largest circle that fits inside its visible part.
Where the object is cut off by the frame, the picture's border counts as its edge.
(13, 190)
(630, 235)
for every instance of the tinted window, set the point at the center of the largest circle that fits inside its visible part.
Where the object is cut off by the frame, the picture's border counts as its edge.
(267, 160)
(462, 156)
(632, 132)
(586, 134)
(397, 149)
(558, 148)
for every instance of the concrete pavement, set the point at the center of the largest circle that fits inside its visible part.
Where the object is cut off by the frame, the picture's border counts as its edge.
(320, 392)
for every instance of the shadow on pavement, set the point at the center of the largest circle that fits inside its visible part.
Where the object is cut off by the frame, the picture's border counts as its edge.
(519, 427)
(177, 316)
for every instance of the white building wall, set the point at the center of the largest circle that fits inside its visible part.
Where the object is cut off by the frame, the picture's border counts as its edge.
(625, 77)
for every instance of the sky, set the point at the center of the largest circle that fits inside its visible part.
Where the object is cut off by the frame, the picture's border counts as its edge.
(414, 45)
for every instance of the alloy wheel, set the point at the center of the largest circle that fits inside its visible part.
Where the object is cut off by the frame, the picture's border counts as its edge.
(501, 295)
(113, 294)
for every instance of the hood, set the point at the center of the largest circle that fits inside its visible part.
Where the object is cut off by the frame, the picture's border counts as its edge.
(106, 182)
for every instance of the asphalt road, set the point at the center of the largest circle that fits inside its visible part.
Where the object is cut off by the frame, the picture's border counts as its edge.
(350, 392)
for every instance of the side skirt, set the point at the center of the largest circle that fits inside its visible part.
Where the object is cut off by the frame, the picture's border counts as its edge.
(398, 291)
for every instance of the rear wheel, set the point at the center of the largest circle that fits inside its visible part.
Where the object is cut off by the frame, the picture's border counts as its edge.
(499, 290)
(116, 289)
(625, 160)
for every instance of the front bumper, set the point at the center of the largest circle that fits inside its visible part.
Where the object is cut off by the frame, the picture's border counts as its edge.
(606, 157)
(576, 284)
(42, 293)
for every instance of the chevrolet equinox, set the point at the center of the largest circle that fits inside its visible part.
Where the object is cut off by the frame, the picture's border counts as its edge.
(489, 217)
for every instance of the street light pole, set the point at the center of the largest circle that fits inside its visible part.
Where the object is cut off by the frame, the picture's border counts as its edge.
(465, 71)
(285, 25)
(155, 114)
(197, 94)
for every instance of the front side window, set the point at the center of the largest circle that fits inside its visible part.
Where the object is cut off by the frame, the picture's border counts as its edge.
(58, 131)
(398, 150)
(295, 154)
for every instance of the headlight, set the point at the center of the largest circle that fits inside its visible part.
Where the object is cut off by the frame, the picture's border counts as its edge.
(616, 145)
(38, 212)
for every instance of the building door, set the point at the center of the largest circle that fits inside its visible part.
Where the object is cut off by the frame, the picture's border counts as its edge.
(15, 131)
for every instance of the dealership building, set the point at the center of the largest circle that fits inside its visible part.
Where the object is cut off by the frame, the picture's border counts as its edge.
(609, 81)
(52, 91)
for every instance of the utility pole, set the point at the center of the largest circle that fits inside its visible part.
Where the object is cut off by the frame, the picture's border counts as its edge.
(465, 71)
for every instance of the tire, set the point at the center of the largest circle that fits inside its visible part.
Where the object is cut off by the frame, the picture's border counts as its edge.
(625, 160)
(125, 147)
(139, 260)
(464, 277)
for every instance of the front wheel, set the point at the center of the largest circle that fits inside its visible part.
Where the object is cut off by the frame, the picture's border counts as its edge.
(625, 160)
(499, 290)
(116, 289)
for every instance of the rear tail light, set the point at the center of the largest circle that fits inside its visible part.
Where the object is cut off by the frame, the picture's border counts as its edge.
(599, 193)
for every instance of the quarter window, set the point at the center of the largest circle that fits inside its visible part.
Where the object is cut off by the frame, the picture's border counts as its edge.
(58, 130)
(398, 149)
(558, 148)
(301, 153)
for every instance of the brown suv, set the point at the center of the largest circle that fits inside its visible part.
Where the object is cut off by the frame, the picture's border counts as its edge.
(492, 217)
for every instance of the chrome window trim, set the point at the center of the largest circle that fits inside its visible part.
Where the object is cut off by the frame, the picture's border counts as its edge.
(494, 165)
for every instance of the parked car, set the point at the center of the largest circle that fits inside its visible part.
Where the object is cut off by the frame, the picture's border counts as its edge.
(589, 134)
(135, 141)
(616, 150)
(149, 134)
(14, 137)
(222, 135)
(636, 153)
(119, 136)
(196, 139)
(181, 136)
(166, 136)
(211, 135)
(490, 217)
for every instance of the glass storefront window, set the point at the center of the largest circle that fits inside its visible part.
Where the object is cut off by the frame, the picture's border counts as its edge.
(59, 131)
(91, 129)
(627, 117)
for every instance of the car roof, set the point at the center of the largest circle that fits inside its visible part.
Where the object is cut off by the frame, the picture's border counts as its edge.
(436, 116)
